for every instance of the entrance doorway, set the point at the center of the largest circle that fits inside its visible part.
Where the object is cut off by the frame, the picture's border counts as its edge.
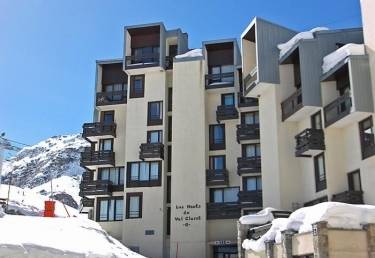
(225, 251)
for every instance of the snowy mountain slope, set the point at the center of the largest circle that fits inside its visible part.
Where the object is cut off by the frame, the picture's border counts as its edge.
(56, 158)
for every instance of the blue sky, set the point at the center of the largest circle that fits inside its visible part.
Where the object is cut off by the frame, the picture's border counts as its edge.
(48, 48)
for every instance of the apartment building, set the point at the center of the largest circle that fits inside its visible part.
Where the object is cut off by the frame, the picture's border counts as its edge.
(175, 155)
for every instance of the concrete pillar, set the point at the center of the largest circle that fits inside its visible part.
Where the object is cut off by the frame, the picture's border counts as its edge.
(370, 229)
(320, 239)
(287, 243)
(269, 248)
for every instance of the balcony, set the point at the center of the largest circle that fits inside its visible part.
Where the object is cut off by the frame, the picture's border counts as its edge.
(337, 109)
(93, 188)
(250, 81)
(247, 102)
(221, 80)
(225, 112)
(87, 202)
(90, 158)
(247, 132)
(151, 151)
(98, 129)
(216, 177)
(291, 105)
(111, 98)
(168, 62)
(252, 197)
(143, 61)
(309, 142)
(248, 165)
(350, 197)
(228, 210)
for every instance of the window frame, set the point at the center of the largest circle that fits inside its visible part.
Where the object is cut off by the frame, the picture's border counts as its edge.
(104, 113)
(223, 99)
(115, 198)
(101, 144)
(222, 189)
(133, 94)
(312, 118)
(351, 181)
(212, 144)
(152, 121)
(244, 183)
(160, 135)
(143, 183)
(253, 113)
(118, 186)
(367, 148)
(243, 150)
(212, 163)
(140, 208)
(320, 185)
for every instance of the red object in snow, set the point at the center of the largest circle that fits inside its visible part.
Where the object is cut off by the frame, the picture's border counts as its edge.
(49, 208)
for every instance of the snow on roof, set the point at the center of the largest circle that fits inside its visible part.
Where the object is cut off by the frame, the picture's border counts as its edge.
(56, 237)
(192, 53)
(285, 47)
(259, 218)
(331, 60)
(337, 215)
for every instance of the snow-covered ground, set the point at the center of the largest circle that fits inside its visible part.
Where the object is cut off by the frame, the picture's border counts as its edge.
(331, 60)
(38, 237)
(337, 215)
(192, 53)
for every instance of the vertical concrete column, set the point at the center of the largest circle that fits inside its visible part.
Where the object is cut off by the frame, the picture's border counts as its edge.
(241, 235)
(320, 239)
(269, 248)
(287, 243)
(370, 229)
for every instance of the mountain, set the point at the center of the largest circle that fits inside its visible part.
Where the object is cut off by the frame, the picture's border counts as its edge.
(56, 159)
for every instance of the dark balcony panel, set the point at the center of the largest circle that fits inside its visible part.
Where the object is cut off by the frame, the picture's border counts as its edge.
(247, 102)
(143, 61)
(252, 197)
(111, 98)
(309, 142)
(98, 129)
(226, 210)
(148, 183)
(216, 177)
(87, 202)
(88, 175)
(94, 158)
(246, 165)
(337, 109)
(291, 105)
(98, 187)
(168, 62)
(350, 197)
(247, 132)
(224, 112)
(151, 151)
(250, 81)
(221, 80)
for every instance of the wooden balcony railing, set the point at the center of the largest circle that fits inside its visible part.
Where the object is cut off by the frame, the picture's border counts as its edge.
(247, 165)
(351, 197)
(87, 202)
(254, 198)
(249, 81)
(93, 158)
(111, 98)
(246, 102)
(247, 132)
(151, 150)
(227, 210)
(145, 60)
(220, 80)
(225, 112)
(216, 177)
(337, 109)
(291, 105)
(309, 139)
(98, 129)
(98, 187)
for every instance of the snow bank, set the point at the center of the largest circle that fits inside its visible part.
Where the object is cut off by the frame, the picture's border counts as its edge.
(285, 47)
(24, 236)
(192, 53)
(337, 215)
(260, 218)
(341, 54)
(27, 202)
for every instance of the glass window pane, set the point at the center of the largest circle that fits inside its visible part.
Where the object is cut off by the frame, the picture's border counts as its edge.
(250, 150)
(103, 210)
(144, 171)
(321, 168)
(228, 100)
(106, 145)
(154, 137)
(256, 117)
(111, 212)
(119, 209)
(218, 134)
(134, 172)
(259, 183)
(104, 174)
(249, 118)
(215, 70)
(218, 195)
(231, 194)
(218, 162)
(154, 171)
(134, 206)
(251, 184)
(122, 174)
(114, 176)
(356, 182)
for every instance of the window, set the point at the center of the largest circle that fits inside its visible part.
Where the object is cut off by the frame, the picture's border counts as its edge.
(115, 175)
(227, 99)
(366, 134)
(354, 181)
(219, 70)
(169, 189)
(133, 205)
(173, 50)
(250, 118)
(316, 121)
(155, 136)
(106, 144)
(107, 117)
(217, 162)
(110, 209)
(217, 137)
(115, 92)
(169, 158)
(145, 54)
(155, 113)
(253, 183)
(320, 172)
(251, 150)
(169, 128)
(170, 94)
(137, 86)
(144, 174)
(222, 195)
